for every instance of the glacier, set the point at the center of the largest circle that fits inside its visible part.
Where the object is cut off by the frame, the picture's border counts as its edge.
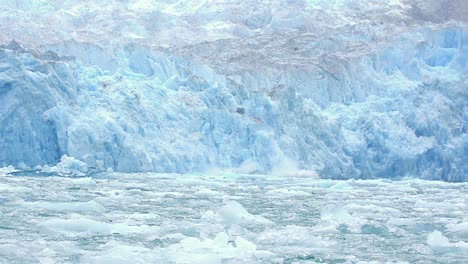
(340, 89)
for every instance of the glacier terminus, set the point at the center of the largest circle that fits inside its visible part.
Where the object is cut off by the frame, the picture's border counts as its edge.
(342, 89)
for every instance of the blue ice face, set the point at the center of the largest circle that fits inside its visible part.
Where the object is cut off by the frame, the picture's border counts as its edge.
(396, 112)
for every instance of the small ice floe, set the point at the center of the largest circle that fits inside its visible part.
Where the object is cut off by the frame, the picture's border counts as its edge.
(402, 221)
(69, 166)
(341, 186)
(460, 229)
(9, 188)
(336, 214)
(377, 262)
(47, 169)
(286, 192)
(370, 209)
(22, 166)
(221, 240)
(216, 250)
(79, 225)
(234, 213)
(122, 253)
(294, 236)
(7, 170)
(167, 194)
(334, 217)
(90, 206)
(438, 242)
(176, 236)
(84, 182)
(427, 204)
(205, 192)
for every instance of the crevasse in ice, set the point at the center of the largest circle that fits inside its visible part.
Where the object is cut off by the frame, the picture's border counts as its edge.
(287, 87)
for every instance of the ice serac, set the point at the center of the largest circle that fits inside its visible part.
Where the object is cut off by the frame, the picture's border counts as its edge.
(30, 87)
(345, 89)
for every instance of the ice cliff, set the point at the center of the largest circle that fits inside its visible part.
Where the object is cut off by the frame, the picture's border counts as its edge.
(344, 89)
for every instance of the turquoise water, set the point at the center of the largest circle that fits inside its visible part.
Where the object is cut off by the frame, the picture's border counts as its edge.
(165, 218)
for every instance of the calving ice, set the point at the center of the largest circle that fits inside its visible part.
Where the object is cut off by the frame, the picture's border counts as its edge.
(339, 89)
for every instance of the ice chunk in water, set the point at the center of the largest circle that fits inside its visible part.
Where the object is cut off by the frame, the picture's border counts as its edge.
(78, 225)
(437, 240)
(459, 229)
(6, 170)
(335, 214)
(286, 192)
(126, 254)
(334, 217)
(195, 250)
(234, 213)
(90, 206)
(71, 167)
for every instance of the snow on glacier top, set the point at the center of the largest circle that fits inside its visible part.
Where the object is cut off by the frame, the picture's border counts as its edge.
(227, 35)
(172, 24)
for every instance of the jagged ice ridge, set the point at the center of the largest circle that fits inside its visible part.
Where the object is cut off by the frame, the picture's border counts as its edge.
(342, 89)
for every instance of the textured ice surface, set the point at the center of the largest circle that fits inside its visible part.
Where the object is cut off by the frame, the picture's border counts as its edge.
(162, 218)
(339, 89)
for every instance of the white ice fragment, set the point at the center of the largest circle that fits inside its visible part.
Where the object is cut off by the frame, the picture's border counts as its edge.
(6, 170)
(341, 186)
(47, 256)
(9, 188)
(460, 228)
(47, 260)
(294, 236)
(195, 250)
(125, 254)
(100, 165)
(286, 192)
(234, 213)
(437, 240)
(47, 169)
(335, 214)
(176, 236)
(370, 208)
(205, 192)
(69, 166)
(77, 225)
(90, 206)
(83, 225)
(84, 182)
(402, 221)
(23, 166)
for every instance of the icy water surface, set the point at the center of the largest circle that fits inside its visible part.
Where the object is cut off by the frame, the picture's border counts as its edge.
(160, 218)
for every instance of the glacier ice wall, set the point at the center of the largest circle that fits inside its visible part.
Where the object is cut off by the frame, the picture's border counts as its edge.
(344, 105)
